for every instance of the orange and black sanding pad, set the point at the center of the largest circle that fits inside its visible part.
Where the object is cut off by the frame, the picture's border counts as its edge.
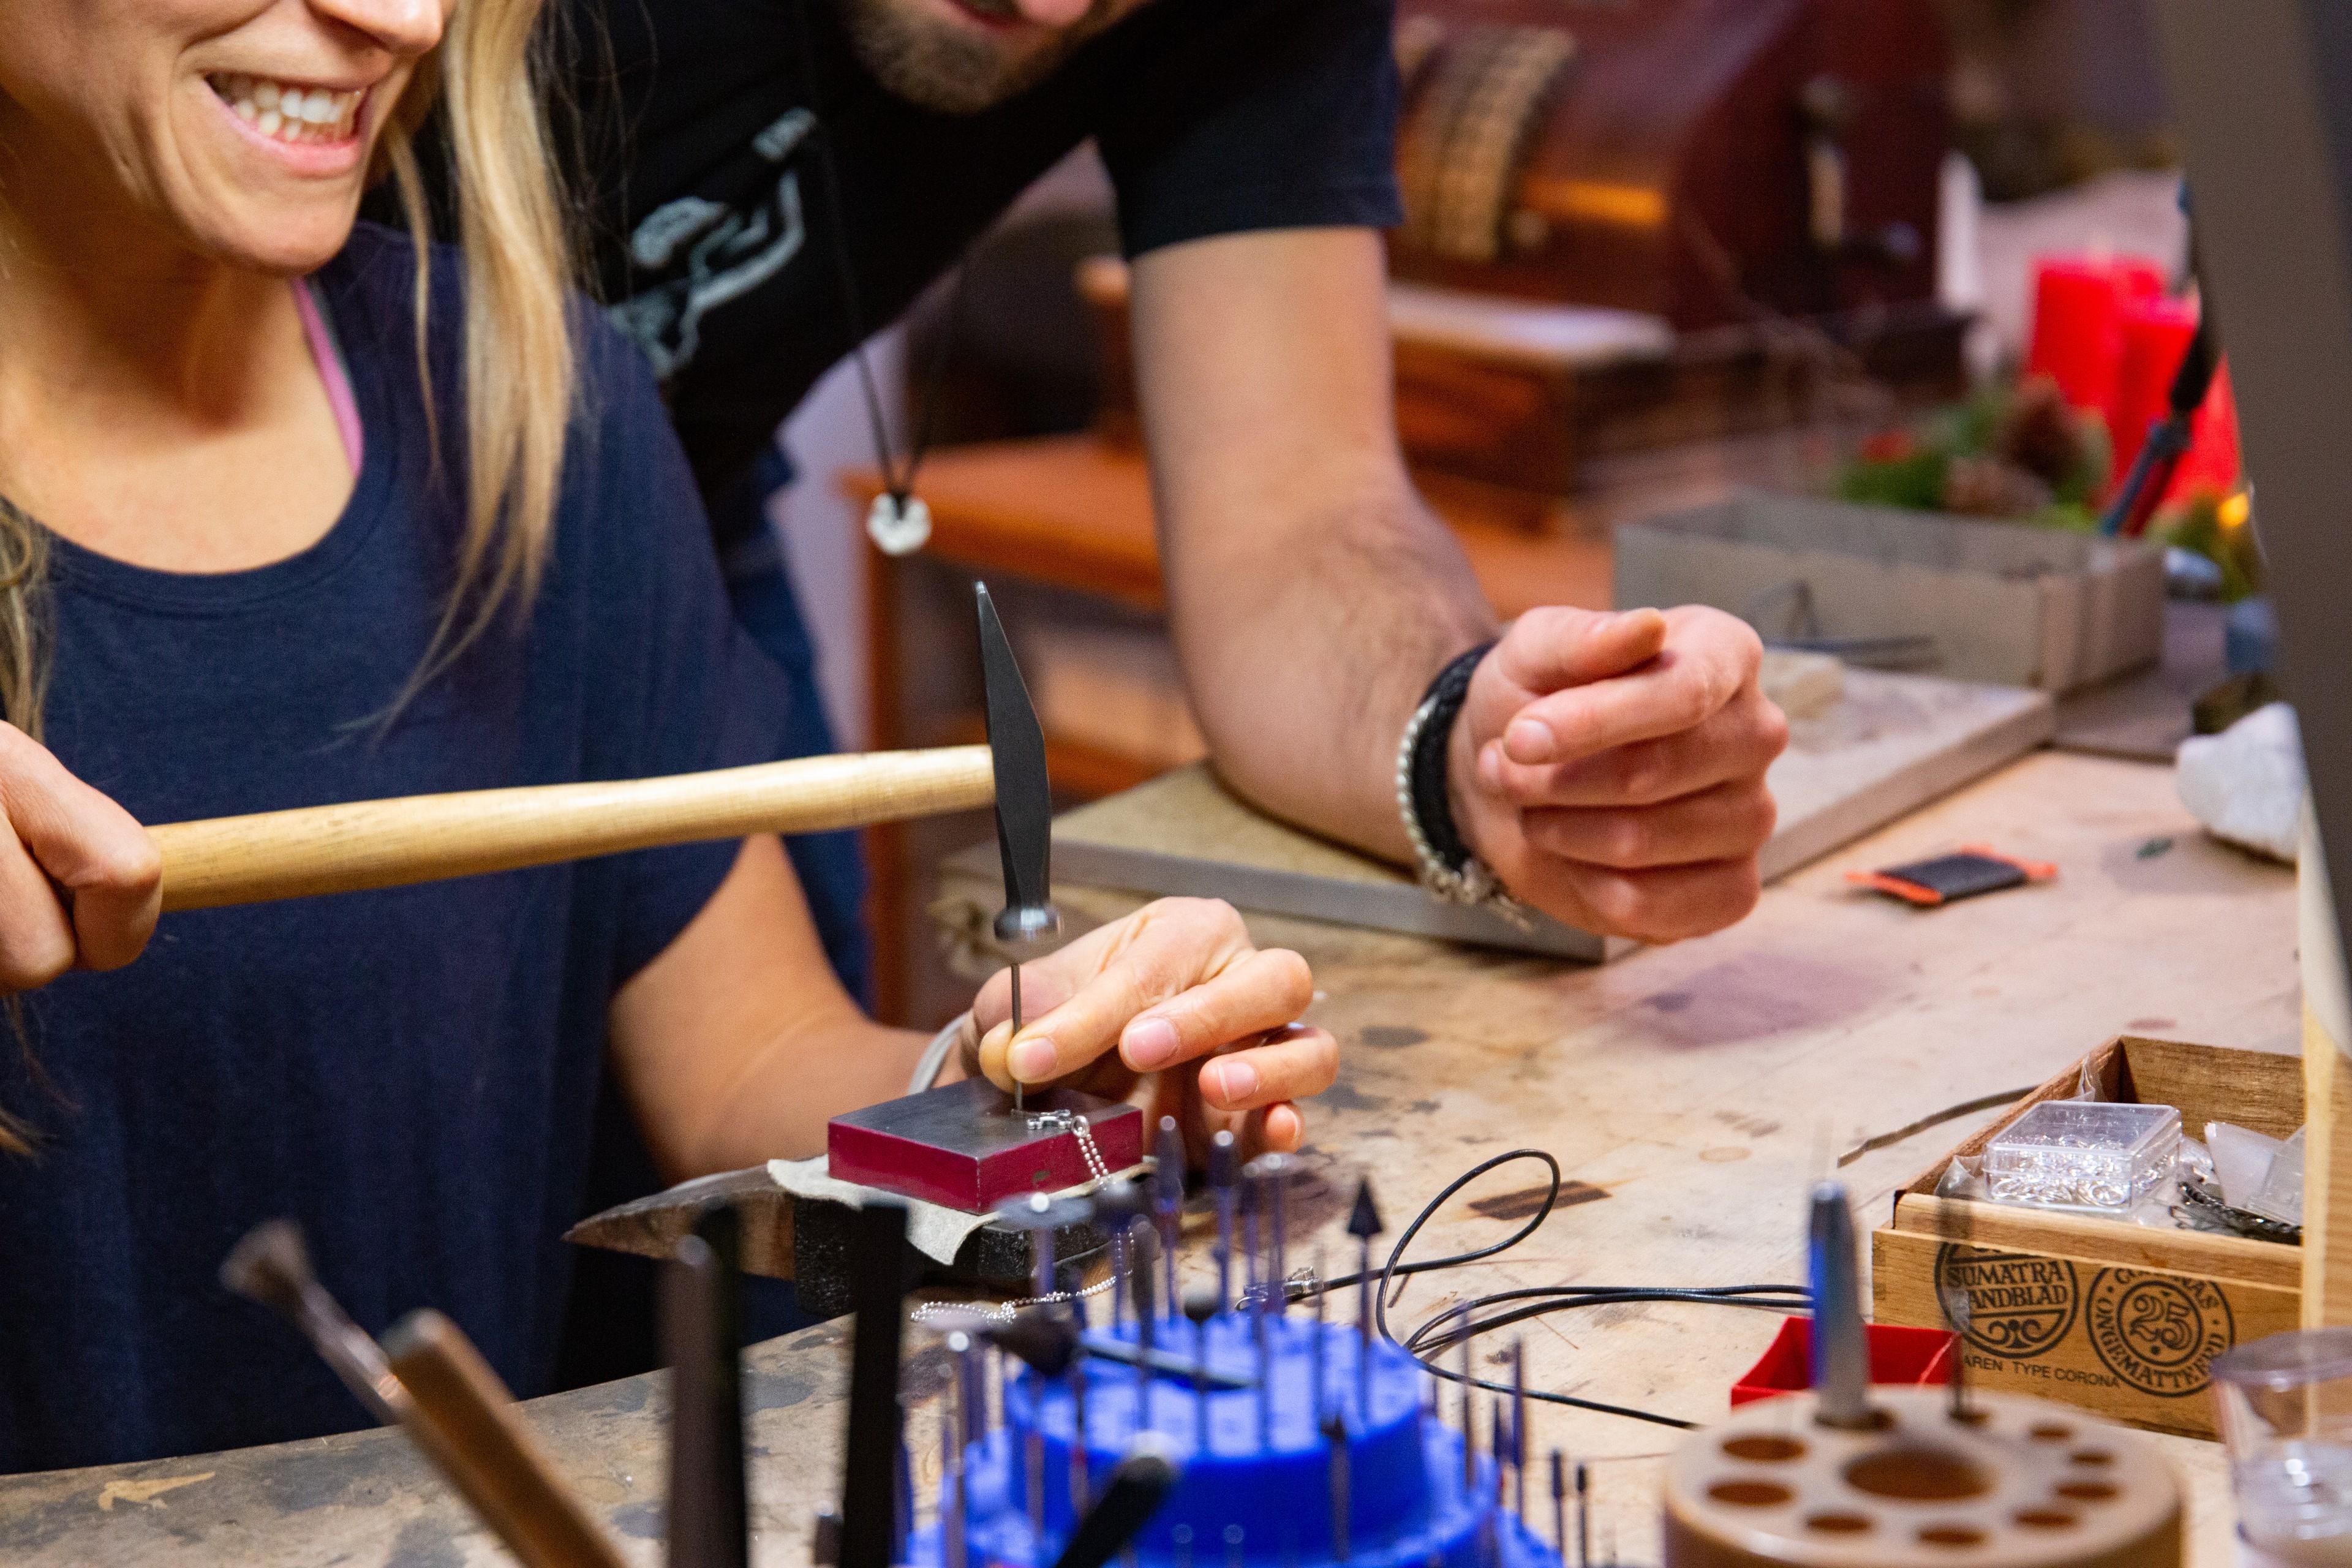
(1947, 878)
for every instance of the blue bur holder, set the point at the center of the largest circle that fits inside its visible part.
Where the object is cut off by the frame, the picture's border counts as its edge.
(1406, 1504)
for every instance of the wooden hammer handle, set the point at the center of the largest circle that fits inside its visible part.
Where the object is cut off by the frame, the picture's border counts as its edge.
(422, 839)
(467, 1422)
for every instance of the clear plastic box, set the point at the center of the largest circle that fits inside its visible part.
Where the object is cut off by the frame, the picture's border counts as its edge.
(2088, 1156)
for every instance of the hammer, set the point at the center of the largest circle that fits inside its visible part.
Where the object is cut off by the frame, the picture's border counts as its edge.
(393, 843)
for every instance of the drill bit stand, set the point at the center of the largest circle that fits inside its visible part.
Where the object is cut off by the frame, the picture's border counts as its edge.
(1253, 1493)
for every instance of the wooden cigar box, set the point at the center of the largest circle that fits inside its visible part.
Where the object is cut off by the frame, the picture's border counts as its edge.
(2118, 1318)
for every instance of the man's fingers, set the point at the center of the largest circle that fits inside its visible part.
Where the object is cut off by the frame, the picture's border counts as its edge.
(37, 938)
(1676, 691)
(1294, 1063)
(1738, 742)
(1666, 903)
(1263, 991)
(1556, 646)
(1723, 823)
(107, 864)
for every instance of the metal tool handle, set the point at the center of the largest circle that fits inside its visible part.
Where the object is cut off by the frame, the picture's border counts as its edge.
(424, 838)
(465, 1420)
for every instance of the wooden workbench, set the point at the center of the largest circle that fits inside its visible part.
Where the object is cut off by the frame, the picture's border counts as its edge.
(1692, 1089)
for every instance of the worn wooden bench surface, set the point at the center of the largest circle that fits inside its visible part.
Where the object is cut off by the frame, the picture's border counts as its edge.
(1690, 1090)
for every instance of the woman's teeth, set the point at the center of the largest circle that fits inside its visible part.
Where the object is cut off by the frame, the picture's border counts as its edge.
(289, 111)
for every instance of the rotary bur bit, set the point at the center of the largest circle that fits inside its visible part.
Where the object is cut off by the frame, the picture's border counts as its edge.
(955, 1433)
(1519, 1424)
(1250, 1198)
(1225, 1171)
(1560, 1505)
(1273, 1174)
(1048, 1344)
(1583, 1515)
(1117, 1205)
(1335, 1440)
(1263, 1352)
(1201, 1305)
(1469, 1423)
(1363, 1223)
(1040, 1217)
(1141, 1278)
(1258, 1303)
(1314, 1377)
(1490, 1518)
(1168, 1203)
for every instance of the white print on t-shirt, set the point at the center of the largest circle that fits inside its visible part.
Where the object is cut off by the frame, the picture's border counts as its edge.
(728, 252)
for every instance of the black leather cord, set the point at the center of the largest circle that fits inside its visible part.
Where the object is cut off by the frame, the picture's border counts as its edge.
(1428, 1342)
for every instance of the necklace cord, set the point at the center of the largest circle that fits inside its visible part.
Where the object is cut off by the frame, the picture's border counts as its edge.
(898, 484)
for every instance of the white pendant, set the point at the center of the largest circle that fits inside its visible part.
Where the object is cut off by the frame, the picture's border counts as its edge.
(896, 526)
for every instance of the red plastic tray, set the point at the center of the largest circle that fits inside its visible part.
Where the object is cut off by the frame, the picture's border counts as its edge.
(1898, 1356)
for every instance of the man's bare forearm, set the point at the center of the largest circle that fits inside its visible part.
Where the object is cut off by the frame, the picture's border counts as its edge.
(1609, 769)
(1307, 643)
(1313, 595)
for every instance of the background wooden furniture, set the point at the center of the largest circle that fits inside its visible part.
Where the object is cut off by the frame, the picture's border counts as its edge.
(1690, 1093)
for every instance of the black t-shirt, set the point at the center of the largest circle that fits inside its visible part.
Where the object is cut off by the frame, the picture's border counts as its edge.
(714, 221)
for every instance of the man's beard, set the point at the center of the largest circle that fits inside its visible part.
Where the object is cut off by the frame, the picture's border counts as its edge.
(941, 68)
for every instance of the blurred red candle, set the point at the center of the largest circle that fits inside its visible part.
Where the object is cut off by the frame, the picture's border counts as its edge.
(2078, 338)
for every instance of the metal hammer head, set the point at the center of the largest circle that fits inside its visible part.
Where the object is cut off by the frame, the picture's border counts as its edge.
(1024, 802)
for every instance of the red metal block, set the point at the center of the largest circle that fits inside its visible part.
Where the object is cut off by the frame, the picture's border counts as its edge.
(962, 1146)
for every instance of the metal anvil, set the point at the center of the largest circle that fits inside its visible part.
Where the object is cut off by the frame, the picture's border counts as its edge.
(809, 1240)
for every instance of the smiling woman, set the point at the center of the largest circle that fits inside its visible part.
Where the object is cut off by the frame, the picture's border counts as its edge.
(297, 510)
(252, 162)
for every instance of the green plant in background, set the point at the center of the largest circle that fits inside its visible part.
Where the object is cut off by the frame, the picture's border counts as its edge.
(2020, 454)
(2015, 453)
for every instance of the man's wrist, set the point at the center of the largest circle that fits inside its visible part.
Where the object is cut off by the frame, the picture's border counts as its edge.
(1427, 797)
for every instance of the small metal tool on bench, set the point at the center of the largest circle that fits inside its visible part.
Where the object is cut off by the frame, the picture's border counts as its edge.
(710, 1501)
(1841, 1352)
(272, 1266)
(427, 1378)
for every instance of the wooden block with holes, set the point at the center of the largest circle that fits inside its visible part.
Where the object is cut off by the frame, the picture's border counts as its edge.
(2113, 1317)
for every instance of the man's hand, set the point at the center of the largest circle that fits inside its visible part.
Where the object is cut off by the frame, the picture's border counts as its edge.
(81, 882)
(1174, 994)
(1610, 768)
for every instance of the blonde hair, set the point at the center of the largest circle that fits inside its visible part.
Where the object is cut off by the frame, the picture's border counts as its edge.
(518, 388)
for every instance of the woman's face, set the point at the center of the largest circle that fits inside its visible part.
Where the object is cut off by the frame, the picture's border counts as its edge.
(243, 129)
